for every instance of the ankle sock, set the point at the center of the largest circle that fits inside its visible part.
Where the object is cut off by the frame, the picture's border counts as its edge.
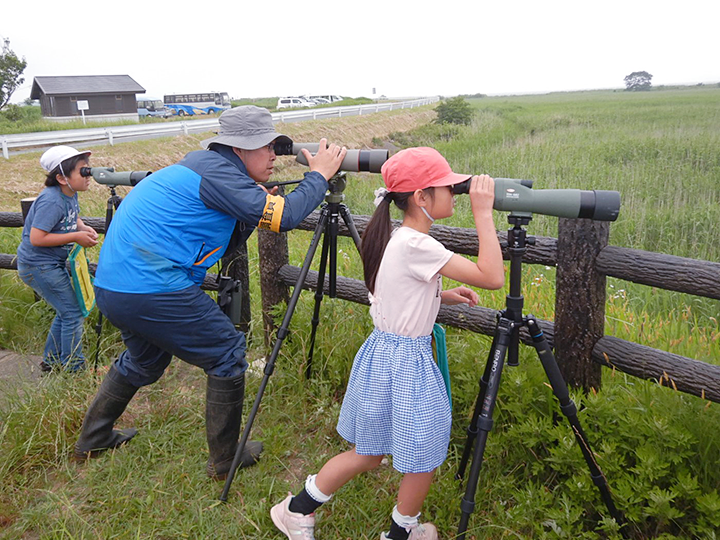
(400, 525)
(309, 499)
(303, 503)
(397, 532)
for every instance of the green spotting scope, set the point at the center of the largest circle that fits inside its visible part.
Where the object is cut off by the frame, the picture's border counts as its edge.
(355, 160)
(513, 195)
(108, 176)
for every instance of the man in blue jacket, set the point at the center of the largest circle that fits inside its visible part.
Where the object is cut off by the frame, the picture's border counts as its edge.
(168, 231)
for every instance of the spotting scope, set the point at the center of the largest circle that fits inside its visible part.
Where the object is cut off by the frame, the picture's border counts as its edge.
(512, 195)
(108, 176)
(355, 160)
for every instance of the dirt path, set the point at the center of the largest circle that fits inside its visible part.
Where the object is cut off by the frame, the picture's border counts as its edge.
(22, 366)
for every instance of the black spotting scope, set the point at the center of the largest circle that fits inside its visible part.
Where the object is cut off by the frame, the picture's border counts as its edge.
(513, 195)
(108, 176)
(355, 160)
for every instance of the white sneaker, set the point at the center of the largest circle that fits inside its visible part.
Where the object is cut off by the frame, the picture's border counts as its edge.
(294, 525)
(421, 531)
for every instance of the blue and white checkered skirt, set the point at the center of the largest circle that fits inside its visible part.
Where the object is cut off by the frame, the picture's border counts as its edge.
(396, 403)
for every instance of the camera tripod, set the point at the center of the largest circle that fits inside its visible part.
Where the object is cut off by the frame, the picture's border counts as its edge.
(327, 228)
(506, 342)
(112, 204)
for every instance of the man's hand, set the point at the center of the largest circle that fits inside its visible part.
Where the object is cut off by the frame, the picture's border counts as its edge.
(328, 159)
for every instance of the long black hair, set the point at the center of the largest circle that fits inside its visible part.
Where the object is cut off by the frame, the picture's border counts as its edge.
(377, 234)
(68, 166)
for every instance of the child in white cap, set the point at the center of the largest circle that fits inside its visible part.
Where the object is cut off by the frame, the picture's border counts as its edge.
(396, 401)
(51, 228)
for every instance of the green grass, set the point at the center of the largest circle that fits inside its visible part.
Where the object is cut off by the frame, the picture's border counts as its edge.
(658, 448)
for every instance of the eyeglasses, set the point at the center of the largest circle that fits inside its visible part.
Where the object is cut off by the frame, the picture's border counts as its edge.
(270, 147)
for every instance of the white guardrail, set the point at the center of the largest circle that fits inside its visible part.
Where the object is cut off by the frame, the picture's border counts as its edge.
(112, 134)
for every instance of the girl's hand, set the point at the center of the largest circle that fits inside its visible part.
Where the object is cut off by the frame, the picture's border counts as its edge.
(460, 295)
(86, 239)
(482, 194)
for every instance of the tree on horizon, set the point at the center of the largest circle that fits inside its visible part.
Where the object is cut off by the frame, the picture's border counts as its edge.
(638, 80)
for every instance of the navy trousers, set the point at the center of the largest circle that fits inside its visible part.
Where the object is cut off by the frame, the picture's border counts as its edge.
(187, 324)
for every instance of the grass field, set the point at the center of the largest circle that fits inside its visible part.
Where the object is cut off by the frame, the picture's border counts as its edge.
(657, 448)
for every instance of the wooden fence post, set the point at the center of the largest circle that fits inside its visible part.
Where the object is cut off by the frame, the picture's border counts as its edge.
(272, 255)
(579, 300)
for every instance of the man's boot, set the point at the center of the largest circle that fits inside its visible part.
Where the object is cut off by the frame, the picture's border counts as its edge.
(223, 416)
(97, 433)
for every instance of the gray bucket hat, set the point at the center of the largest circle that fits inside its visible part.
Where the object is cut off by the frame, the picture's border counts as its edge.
(247, 127)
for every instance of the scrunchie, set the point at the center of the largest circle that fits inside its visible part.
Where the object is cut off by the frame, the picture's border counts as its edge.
(380, 195)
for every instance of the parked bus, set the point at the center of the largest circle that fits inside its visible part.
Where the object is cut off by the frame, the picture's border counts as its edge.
(190, 104)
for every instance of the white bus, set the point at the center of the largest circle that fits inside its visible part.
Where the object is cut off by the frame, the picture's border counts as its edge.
(201, 103)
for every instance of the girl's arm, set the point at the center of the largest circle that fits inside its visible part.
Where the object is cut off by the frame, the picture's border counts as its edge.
(489, 271)
(40, 238)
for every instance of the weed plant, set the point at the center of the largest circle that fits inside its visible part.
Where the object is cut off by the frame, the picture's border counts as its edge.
(658, 448)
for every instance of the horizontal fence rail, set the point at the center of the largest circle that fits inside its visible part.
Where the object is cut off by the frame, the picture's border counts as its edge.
(112, 134)
(691, 276)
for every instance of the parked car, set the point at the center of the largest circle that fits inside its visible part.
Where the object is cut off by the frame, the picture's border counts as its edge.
(329, 97)
(152, 107)
(290, 102)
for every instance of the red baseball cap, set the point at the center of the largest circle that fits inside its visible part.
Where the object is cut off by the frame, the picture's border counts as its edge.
(418, 168)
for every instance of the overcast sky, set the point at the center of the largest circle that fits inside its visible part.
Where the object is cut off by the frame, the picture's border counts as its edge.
(396, 47)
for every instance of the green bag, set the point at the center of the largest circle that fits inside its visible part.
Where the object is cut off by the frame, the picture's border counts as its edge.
(82, 281)
(440, 350)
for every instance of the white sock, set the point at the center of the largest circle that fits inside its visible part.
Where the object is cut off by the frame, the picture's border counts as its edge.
(404, 521)
(313, 490)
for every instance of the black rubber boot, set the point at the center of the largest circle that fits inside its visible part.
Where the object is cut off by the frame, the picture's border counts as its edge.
(97, 433)
(223, 416)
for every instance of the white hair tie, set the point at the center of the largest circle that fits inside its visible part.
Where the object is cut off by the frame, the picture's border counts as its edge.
(380, 194)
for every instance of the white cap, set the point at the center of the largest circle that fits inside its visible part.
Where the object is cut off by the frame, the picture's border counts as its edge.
(57, 154)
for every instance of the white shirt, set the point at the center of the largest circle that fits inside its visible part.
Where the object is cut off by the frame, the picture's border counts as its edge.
(408, 286)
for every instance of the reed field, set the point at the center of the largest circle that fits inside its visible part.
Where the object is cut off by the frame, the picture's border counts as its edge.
(657, 448)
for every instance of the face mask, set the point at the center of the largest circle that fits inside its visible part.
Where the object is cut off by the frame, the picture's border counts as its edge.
(427, 215)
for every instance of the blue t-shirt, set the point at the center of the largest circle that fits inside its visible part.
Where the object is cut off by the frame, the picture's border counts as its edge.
(52, 212)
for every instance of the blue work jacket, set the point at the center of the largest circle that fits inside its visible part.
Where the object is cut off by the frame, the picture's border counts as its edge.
(177, 222)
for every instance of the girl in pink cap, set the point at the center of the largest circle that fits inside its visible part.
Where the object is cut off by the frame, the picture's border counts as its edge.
(396, 401)
(51, 229)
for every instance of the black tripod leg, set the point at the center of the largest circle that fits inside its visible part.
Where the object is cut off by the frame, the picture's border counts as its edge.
(329, 250)
(472, 429)
(347, 218)
(319, 292)
(502, 338)
(281, 335)
(569, 409)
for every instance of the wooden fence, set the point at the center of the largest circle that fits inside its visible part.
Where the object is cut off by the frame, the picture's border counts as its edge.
(583, 259)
